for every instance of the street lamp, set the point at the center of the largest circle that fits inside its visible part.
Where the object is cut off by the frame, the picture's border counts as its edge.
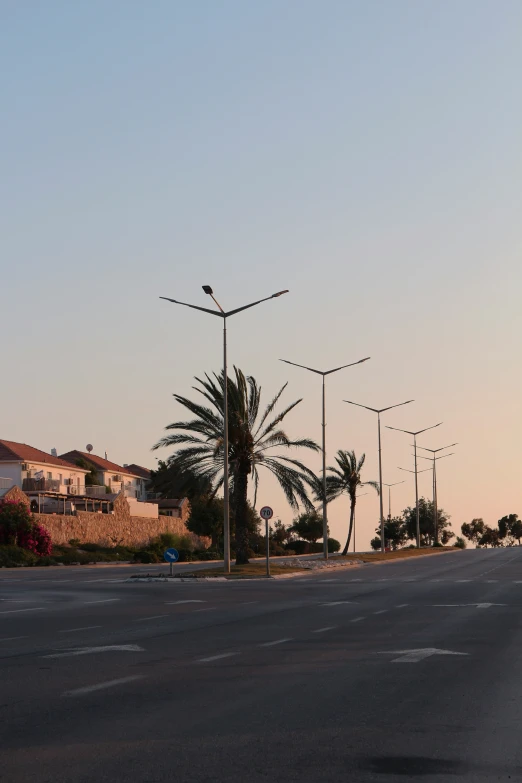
(389, 494)
(435, 499)
(359, 496)
(324, 374)
(224, 315)
(409, 432)
(378, 411)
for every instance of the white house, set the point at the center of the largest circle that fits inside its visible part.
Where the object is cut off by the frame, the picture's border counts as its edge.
(117, 477)
(37, 471)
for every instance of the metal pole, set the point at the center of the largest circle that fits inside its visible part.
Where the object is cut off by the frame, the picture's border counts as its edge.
(417, 493)
(325, 517)
(354, 530)
(267, 550)
(389, 502)
(383, 547)
(435, 509)
(226, 492)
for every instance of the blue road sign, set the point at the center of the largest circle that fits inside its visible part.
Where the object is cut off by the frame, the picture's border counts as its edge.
(171, 555)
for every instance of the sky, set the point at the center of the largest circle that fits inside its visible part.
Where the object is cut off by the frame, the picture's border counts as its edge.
(364, 154)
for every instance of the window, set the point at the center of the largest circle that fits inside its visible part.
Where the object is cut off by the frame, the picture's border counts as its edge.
(49, 476)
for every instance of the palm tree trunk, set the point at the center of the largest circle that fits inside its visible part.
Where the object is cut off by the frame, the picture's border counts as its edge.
(352, 515)
(240, 503)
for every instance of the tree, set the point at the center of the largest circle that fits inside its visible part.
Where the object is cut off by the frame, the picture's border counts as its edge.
(446, 537)
(346, 479)
(490, 537)
(308, 526)
(206, 519)
(474, 530)
(168, 482)
(394, 532)
(252, 437)
(460, 543)
(426, 522)
(510, 527)
(91, 478)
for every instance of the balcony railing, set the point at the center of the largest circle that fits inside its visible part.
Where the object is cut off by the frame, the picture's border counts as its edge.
(41, 485)
(95, 490)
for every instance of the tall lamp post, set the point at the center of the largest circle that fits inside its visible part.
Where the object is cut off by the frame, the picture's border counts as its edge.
(418, 432)
(359, 496)
(389, 494)
(224, 315)
(435, 499)
(324, 374)
(378, 411)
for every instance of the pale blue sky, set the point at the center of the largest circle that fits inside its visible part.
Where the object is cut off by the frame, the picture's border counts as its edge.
(365, 155)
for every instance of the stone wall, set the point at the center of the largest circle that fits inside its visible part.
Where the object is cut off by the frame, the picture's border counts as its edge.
(106, 529)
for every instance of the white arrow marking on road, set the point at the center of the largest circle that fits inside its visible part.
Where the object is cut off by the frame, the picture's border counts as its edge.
(414, 656)
(337, 603)
(90, 650)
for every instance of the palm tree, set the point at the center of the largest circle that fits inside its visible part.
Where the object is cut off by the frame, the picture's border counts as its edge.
(346, 478)
(252, 437)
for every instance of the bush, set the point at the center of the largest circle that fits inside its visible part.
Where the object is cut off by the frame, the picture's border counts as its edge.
(12, 556)
(460, 543)
(18, 528)
(333, 545)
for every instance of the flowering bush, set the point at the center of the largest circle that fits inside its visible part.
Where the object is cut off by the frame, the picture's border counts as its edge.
(17, 528)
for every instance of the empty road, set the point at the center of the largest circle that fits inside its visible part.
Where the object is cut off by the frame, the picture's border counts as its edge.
(392, 672)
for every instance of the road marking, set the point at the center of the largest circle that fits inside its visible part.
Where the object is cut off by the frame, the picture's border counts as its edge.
(60, 581)
(381, 611)
(435, 580)
(358, 619)
(355, 580)
(85, 628)
(152, 617)
(103, 601)
(462, 580)
(31, 609)
(277, 641)
(383, 580)
(102, 685)
(490, 581)
(190, 601)
(410, 580)
(91, 650)
(323, 630)
(12, 638)
(336, 603)
(206, 609)
(517, 582)
(217, 657)
(249, 602)
(478, 606)
(401, 606)
(330, 580)
(414, 656)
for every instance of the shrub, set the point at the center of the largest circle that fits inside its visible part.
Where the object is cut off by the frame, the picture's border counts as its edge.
(333, 545)
(17, 528)
(460, 543)
(12, 556)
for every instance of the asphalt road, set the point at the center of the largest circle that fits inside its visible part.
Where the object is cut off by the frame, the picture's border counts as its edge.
(341, 676)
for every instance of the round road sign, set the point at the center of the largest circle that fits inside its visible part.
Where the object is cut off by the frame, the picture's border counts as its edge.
(171, 555)
(266, 512)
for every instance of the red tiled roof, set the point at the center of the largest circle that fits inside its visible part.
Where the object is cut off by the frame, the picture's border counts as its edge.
(15, 452)
(138, 470)
(97, 462)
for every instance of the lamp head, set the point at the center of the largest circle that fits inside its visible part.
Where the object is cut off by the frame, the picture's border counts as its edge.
(207, 289)
(279, 293)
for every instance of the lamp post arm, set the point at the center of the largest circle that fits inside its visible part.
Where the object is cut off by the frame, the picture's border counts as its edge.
(195, 307)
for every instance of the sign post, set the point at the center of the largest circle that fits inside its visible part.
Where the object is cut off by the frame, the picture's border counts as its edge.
(171, 556)
(266, 513)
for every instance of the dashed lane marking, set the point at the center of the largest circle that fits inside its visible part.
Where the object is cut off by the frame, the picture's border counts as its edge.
(358, 619)
(103, 601)
(381, 611)
(323, 630)
(29, 609)
(102, 685)
(277, 641)
(85, 628)
(92, 650)
(12, 638)
(217, 657)
(152, 617)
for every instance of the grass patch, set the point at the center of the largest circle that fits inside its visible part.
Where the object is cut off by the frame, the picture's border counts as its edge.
(245, 571)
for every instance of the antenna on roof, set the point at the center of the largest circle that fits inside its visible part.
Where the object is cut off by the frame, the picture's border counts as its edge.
(89, 447)
(54, 453)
